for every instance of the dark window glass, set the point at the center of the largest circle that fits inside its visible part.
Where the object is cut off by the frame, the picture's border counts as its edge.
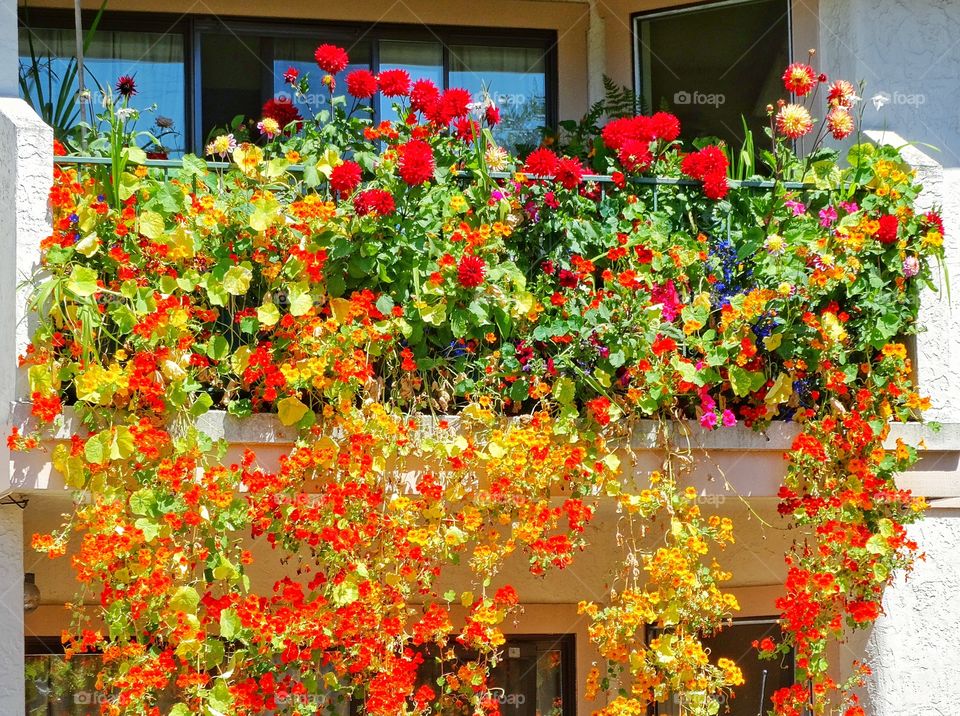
(711, 65)
(515, 78)
(232, 77)
(153, 59)
(761, 677)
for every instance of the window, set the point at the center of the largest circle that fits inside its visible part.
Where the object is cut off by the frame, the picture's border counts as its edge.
(153, 59)
(202, 72)
(710, 64)
(534, 678)
(762, 677)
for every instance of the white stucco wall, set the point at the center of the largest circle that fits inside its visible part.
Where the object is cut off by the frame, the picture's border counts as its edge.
(11, 610)
(906, 51)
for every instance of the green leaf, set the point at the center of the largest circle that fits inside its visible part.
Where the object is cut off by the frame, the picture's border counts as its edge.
(82, 281)
(185, 599)
(135, 154)
(230, 624)
(300, 299)
(345, 593)
(143, 502)
(150, 224)
(218, 348)
(236, 281)
(745, 382)
(268, 314)
(291, 410)
(201, 405)
(564, 391)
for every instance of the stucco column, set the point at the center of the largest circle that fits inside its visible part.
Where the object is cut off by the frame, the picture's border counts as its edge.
(12, 696)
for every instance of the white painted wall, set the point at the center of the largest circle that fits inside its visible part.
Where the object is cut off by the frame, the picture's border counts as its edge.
(907, 50)
(9, 63)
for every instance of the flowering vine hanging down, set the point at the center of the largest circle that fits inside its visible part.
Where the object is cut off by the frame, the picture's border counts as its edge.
(456, 351)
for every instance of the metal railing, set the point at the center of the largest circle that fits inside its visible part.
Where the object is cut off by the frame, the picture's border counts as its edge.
(168, 165)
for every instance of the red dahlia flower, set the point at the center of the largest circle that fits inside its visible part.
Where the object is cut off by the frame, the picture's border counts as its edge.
(345, 177)
(394, 83)
(470, 271)
(291, 75)
(281, 110)
(840, 122)
(887, 233)
(542, 163)
(492, 115)
(424, 96)
(126, 86)
(452, 104)
(379, 201)
(665, 126)
(799, 78)
(416, 162)
(331, 59)
(361, 84)
(569, 173)
(709, 165)
(635, 155)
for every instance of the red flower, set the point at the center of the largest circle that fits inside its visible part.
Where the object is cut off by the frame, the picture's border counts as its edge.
(492, 115)
(569, 173)
(600, 410)
(470, 271)
(291, 75)
(451, 104)
(635, 155)
(282, 110)
(663, 345)
(799, 79)
(126, 86)
(709, 165)
(394, 83)
(416, 162)
(932, 218)
(424, 96)
(665, 126)
(379, 201)
(361, 84)
(345, 177)
(542, 163)
(331, 59)
(887, 233)
(466, 129)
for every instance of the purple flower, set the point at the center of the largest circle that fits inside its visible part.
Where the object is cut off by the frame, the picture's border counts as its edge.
(827, 216)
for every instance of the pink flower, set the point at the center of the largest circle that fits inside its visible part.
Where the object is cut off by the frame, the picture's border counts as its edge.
(728, 419)
(709, 420)
(797, 207)
(827, 216)
(911, 266)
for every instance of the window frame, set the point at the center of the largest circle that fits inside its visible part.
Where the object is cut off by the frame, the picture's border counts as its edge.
(191, 26)
(651, 632)
(636, 18)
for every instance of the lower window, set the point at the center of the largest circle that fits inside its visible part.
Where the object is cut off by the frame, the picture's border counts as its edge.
(761, 677)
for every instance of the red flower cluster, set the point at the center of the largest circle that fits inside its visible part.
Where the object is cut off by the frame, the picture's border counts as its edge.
(331, 59)
(281, 110)
(361, 84)
(709, 165)
(542, 163)
(799, 78)
(424, 95)
(394, 83)
(370, 201)
(471, 270)
(887, 233)
(416, 163)
(345, 178)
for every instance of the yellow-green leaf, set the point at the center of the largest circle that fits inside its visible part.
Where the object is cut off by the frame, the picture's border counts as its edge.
(291, 410)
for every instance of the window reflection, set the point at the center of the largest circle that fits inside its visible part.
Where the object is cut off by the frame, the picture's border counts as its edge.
(421, 60)
(515, 78)
(154, 60)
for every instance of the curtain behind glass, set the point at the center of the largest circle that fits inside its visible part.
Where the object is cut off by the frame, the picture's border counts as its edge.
(154, 60)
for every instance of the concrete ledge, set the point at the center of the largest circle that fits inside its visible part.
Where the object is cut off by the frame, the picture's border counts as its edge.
(266, 429)
(727, 460)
